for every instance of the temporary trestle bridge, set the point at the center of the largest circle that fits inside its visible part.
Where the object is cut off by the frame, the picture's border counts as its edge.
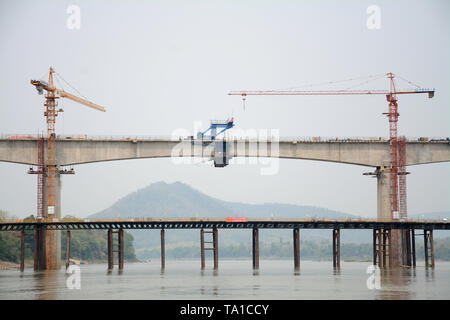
(383, 232)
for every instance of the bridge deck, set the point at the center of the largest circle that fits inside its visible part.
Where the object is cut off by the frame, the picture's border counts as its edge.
(369, 152)
(223, 224)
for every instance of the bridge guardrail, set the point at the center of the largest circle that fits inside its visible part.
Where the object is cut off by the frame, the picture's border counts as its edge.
(298, 139)
(194, 219)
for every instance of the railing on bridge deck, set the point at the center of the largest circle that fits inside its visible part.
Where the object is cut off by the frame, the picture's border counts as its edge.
(298, 139)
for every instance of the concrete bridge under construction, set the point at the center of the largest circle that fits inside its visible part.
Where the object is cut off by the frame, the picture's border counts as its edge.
(371, 152)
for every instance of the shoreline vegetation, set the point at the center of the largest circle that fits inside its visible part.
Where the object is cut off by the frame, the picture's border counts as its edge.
(88, 246)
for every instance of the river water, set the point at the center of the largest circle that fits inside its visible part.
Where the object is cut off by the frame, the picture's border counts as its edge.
(235, 279)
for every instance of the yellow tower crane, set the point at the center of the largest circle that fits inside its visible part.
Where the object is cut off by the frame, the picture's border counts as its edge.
(53, 93)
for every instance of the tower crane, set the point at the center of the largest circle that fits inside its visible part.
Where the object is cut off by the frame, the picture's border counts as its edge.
(391, 96)
(49, 168)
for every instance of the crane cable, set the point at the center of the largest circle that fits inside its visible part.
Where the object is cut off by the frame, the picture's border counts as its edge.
(409, 82)
(368, 79)
(60, 84)
(365, 82)
(336, 81)
(56, 73)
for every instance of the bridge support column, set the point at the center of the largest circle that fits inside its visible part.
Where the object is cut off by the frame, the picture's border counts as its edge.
(22, 250)
(52, 238)
(406, 243)
(216, 248)
(382, 250)
(255, 247)
(296, 240)
(413, 247)
(384, 213)
(384, 244)
(40, 258)
(383, 193)
(163, 250)
(110, 250)
(58, 262)
(429, 247)
(36, 249)
(121, 249)
(202, 248)
(336, 248)
(67, 249)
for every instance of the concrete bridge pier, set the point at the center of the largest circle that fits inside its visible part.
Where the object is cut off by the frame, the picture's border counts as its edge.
(54, 236)
(383, 193)
(384, 213)
(48, 255)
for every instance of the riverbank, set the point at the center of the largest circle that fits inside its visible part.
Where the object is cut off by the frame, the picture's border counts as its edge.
(6, 265)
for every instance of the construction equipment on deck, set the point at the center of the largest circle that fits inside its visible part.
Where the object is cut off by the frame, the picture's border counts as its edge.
(215, 124)
(221, 156)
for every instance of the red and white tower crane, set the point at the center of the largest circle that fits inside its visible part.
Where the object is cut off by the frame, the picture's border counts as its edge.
(393, 115)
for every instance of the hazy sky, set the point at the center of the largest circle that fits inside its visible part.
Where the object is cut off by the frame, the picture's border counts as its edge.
(158, 66)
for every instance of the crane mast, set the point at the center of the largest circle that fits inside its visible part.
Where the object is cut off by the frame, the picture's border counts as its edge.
(51, 113)
(393, 145)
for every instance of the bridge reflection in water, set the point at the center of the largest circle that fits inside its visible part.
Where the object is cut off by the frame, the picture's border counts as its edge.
(234, 279)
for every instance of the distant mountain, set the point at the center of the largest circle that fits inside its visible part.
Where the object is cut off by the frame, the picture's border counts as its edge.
(178, 200)
(162, 200)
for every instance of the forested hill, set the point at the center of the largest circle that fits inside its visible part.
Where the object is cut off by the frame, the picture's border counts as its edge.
(86, 245)
(180, 200)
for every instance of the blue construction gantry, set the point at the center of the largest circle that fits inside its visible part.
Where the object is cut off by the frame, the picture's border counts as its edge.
(216, 124)
(221, 157)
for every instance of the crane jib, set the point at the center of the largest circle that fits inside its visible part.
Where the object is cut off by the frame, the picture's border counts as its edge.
(336, 92)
